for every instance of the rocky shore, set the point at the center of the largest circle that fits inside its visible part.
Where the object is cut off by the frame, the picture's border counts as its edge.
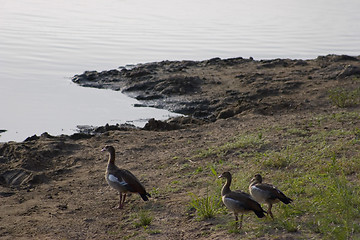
(217, 88)
(52, 187)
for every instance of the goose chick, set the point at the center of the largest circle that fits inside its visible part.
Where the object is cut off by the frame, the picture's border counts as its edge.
(238, 201)
(122, 180)
(266, 193)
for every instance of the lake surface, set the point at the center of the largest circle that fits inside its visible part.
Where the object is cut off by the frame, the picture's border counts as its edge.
(44, 43)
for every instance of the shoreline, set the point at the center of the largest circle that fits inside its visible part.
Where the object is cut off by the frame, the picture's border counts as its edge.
(198, 90)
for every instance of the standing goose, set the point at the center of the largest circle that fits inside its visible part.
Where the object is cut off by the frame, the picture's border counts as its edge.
(122, 180)
(238, 201)
(266, 193)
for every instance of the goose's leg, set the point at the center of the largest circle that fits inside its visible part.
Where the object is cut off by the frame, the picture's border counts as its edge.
(269, 211)
(241, 220)
(236, 220)
(120, 205)
(123, 200)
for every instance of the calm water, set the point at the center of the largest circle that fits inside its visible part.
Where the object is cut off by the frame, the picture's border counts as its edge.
(44, 43)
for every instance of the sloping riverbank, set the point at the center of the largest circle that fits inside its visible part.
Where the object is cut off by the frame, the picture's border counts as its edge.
(295, 121)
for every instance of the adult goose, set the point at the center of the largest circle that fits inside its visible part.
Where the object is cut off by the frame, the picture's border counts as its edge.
(122, 180)
(266, 193)
(238, 201)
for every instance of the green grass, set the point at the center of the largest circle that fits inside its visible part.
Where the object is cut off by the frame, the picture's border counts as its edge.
(316, 163)
(342, 97)
(207, 206)
(241, 142)
(339, 205)
(144, 219)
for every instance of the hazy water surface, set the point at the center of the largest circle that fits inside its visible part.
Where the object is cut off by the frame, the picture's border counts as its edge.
(44, 43)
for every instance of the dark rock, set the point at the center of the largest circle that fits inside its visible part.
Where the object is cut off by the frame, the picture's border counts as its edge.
(78, 136)
(158, 125)
(178, 85)
(14, 177)
(226, 113)
(117, 127)
(3, 148)
(300, 63)
(213, 61)
(87, 132)
(146, 97)
(349, 70)
(140, 105)
(186, 120)
(141, 86)
(6, 194)
(336, 58)
(38, 179)
(137, 73)
(32, 138)
(274, 63)
(86, 76)
(46, 135)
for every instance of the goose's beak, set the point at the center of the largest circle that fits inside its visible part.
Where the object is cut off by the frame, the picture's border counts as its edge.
(104, 149)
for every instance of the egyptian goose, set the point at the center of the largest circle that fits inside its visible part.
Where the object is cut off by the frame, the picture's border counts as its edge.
(266, 193)
(238, 201)
(122, 180)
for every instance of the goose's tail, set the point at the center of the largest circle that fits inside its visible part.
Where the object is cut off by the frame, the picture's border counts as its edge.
(145, 196)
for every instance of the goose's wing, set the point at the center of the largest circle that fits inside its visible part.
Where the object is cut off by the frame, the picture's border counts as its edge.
(132, 183)
(273, 192)
(245, 201)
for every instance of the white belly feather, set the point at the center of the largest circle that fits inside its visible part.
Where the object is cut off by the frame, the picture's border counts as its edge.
(258, 194)
(114, 182)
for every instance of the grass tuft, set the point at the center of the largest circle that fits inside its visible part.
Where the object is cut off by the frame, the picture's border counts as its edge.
(343, 98)
(144, 219)
(206, 207)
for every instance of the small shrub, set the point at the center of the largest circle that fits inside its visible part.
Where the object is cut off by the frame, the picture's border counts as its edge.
(342, 98)
(144, 219)
(206, 207)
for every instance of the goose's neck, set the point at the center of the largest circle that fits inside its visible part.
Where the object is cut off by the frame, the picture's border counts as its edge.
(253, 182)
(111, 158)
(226, 188)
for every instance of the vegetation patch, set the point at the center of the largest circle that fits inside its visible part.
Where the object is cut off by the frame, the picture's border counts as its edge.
(315, 164)
(342, 97)
(248, 142)
(206, 207)
(144, 219)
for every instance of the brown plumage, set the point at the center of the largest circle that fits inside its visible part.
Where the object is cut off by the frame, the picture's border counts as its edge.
(266, 193)
(238, 201)
(122, 180)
